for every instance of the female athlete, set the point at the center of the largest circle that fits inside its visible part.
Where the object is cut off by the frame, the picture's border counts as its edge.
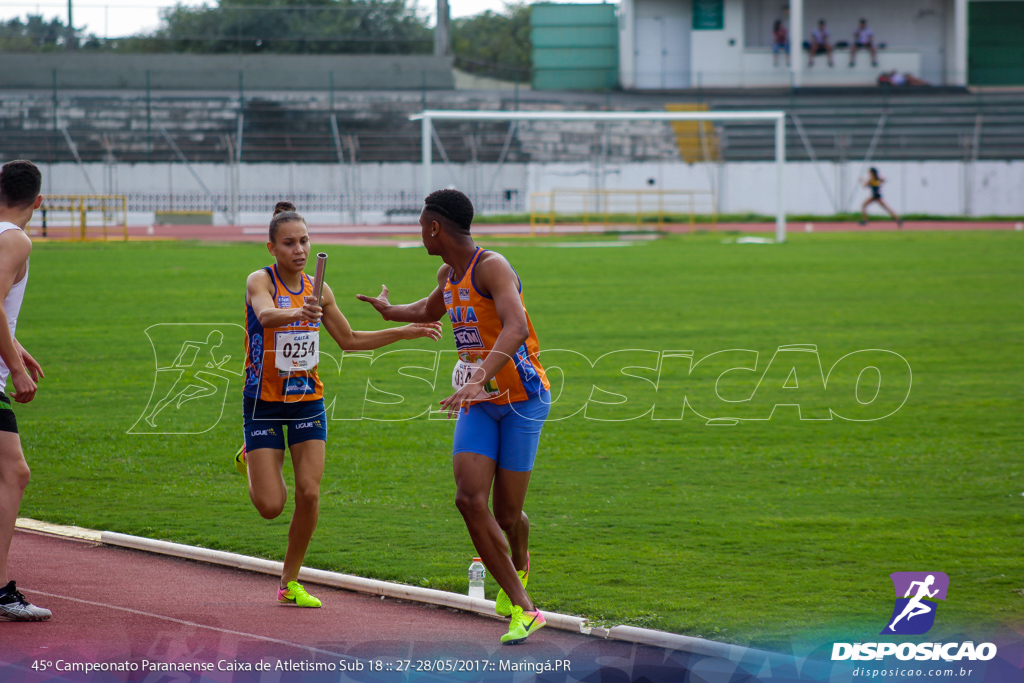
(874, 183)
(283, 391)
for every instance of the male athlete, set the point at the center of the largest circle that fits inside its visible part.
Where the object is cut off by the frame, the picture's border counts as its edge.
(20, 182)
(502, 395)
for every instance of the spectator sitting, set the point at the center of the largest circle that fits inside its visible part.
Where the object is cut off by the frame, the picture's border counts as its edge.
(820, 43)
(863, 38)
(897, 79)
(780, 42)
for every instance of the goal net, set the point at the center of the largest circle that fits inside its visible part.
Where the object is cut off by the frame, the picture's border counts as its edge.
(601, 167)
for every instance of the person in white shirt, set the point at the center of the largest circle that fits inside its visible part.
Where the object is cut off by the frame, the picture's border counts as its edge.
(863, 39)
(820, 43)
(20, 183)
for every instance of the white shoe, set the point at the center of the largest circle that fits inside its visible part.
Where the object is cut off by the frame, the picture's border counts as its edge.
(14, 606)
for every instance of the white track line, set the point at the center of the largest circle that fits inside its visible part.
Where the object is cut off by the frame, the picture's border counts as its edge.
(189, 623)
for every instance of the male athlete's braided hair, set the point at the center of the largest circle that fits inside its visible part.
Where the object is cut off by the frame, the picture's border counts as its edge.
(20, 182)
(453, 205)
(284, 212)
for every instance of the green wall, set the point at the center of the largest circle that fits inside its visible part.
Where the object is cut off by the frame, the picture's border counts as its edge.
(575, 47)
(995, 43)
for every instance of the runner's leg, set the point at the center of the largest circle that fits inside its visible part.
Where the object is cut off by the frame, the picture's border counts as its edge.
(509, 497)
(474, 474)
(266, 481)
(14, 476)
(308, 461)
(889, 210)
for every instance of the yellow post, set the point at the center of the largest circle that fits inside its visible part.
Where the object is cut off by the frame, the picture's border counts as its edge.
(81, 209)
(124, 212)
(639, 215)
(551, 215)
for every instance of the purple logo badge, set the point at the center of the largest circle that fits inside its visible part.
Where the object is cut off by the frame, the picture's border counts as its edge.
(914, 612)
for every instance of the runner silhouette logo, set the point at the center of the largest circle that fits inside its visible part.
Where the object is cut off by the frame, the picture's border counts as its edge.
(916, 592)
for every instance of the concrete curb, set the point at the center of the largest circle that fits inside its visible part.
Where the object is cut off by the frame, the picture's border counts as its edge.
(565, 622)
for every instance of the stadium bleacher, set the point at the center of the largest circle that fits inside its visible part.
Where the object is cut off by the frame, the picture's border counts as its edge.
(125, 126)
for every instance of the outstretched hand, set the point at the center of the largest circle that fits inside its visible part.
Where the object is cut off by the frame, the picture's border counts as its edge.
(417, 330)
(380, 303)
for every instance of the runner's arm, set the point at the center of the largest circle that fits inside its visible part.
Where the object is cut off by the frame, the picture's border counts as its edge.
(425, 310)
(258, 288)
(16, 249)
(356, 340)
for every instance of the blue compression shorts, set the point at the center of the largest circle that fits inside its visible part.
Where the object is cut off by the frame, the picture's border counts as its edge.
(264, 422)
(508, 434)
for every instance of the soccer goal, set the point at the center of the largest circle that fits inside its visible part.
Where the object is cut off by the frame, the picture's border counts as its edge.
(428, 135)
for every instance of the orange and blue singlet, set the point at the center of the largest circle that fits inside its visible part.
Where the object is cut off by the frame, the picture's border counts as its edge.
(506, 425)
(263, 380)
(274, 398)
(476, 327)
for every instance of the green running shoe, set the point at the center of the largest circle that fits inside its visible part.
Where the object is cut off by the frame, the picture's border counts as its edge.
(522, 625)
(502, 605)
(240, 463)
(295, 594)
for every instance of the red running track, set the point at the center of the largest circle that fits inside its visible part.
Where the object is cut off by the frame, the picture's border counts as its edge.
(387, 235)
(113, 604)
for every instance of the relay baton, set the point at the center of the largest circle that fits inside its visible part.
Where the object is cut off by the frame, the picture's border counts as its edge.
(318, 278)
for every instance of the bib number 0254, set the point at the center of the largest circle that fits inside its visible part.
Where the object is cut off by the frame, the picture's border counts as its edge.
(296, 351)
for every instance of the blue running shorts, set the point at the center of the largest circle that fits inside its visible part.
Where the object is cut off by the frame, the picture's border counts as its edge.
(264, 422)
(508, 434)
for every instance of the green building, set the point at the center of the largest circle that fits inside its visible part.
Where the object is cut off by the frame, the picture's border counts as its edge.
(575, 47)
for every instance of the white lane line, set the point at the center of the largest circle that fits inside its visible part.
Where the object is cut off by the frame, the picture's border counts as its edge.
(189, 623)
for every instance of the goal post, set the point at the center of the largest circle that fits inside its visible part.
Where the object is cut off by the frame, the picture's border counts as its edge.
(427, 117)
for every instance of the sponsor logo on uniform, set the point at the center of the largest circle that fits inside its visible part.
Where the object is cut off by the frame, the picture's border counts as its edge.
(298, 385)
(447, 297)
(523, 364)
(462, 314)
(284, 302)
(464, 293)
(263, 432)
(468, 338)
(307, 425)
(257, 349)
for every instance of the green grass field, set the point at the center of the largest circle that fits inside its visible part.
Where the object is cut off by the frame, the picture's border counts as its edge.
(755, 533)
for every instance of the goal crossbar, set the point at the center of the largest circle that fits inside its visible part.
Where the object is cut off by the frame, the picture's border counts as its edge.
(427, 117)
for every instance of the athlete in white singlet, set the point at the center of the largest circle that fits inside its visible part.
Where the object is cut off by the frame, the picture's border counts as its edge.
(20, 182)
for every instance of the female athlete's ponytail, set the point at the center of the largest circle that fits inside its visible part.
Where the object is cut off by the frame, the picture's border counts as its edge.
(284, 212)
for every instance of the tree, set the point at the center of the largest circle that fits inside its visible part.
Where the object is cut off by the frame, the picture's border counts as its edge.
(35, 34)
(292, 26)
(495, 44)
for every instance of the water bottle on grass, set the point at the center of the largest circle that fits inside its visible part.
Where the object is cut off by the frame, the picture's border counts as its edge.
(476, 578)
